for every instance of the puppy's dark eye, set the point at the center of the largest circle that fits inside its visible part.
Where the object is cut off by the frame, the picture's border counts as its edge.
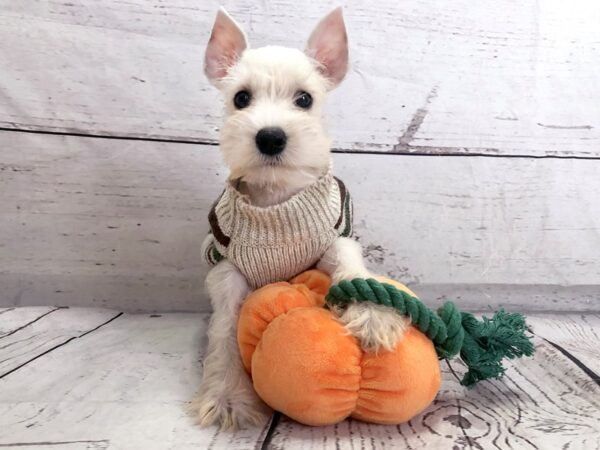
(242, 99)
(303, 100)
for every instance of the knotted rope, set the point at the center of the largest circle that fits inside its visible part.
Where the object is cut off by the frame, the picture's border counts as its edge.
(482, 344)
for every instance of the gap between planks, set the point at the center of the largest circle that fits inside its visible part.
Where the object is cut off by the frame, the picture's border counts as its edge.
(587, 370)
(271, 429)
(51, 349)
(405, 151)
(99, 364)
(13, 331)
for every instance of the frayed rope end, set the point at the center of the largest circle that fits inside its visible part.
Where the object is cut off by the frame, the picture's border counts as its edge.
(489, 341)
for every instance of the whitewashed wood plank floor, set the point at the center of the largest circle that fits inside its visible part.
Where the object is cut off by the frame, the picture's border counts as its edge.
(85, 378)
(109, 381)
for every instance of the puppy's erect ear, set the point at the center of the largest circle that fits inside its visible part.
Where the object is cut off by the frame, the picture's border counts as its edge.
(226, 44)
(328, 45)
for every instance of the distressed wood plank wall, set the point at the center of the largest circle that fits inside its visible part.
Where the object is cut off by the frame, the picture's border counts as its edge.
(497, 77)
(503, 92)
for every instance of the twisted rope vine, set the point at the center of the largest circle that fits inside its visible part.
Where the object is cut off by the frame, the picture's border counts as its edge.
(482, 345)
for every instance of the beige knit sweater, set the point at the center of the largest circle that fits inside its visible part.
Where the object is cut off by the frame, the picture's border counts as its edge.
(274, 243)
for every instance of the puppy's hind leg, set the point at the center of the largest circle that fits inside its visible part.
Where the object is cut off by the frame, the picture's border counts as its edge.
(375, 326)
(226, 396)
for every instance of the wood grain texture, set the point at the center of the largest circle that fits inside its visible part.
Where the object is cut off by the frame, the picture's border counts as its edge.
(13, 319)
(116, 223)
(32, 339)
(122, 386)
(104, 222)
(125, 385)
(427, 77)
(543, 402)
(577, 334)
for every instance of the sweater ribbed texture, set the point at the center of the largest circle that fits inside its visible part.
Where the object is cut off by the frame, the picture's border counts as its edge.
(274, 243)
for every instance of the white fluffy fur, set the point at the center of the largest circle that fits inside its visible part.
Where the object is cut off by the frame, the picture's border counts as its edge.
(344, 261)
(273, 75)
(226, 396)
(376, 327)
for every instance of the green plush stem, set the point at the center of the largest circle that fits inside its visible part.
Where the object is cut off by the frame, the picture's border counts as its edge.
(482, 344)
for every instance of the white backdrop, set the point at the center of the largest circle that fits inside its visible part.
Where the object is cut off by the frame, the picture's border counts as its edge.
(468, 132)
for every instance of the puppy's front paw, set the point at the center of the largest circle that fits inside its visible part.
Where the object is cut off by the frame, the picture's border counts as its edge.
(230, 410)
(377, 327)
(343, 261)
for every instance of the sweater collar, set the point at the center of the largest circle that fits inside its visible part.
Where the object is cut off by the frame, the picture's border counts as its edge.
(318, 187)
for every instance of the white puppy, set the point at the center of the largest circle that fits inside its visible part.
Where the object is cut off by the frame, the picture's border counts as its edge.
(282, 211)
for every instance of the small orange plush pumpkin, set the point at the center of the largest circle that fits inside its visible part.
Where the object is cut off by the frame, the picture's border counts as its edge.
(304, 363)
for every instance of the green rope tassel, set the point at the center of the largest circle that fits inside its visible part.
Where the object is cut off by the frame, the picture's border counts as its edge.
(482, 344)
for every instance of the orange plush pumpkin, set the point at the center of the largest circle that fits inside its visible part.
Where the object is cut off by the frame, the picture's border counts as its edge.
(304, 364)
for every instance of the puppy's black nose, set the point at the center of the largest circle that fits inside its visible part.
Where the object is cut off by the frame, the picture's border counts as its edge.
(271, 140)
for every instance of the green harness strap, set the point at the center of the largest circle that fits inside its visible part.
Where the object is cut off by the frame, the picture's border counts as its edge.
(482, 344)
